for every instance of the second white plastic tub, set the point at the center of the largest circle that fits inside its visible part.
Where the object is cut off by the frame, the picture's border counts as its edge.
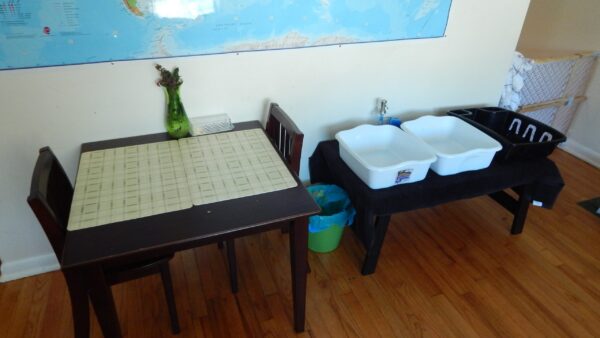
(383, 156)
(458, 145)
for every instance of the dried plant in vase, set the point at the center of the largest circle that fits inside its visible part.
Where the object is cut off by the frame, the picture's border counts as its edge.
(178, 124)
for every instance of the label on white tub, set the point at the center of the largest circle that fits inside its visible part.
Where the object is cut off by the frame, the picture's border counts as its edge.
(403, 175)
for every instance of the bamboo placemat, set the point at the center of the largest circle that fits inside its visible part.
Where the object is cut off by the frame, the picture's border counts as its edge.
(125, 183)
(131, 182)
(232, 165)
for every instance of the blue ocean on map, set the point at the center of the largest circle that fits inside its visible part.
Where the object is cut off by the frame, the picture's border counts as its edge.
(52, 33)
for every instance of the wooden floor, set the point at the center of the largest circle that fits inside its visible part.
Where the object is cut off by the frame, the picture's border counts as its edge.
(449, 271)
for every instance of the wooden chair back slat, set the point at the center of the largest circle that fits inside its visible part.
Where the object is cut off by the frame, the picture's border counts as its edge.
(286, 136)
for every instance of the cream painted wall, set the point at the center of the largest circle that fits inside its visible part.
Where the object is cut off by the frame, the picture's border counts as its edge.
(324, 90)
(558, 27)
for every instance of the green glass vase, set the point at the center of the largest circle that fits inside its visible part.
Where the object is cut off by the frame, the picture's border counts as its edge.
(178, 124)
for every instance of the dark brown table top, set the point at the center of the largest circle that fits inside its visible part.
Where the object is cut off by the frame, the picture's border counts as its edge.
(183, 229)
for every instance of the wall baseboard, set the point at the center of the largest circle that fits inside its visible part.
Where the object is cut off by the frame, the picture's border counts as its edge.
(28, 267)
(580, 151)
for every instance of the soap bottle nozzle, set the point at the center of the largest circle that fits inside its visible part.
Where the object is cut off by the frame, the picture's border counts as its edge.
(383, 107)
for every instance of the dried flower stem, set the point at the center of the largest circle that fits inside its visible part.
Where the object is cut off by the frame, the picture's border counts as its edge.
(169, 80)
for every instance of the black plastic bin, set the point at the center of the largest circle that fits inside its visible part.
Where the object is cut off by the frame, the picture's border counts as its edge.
(521, 136)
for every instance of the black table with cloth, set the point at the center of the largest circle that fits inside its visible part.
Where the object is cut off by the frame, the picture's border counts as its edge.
(536, 180)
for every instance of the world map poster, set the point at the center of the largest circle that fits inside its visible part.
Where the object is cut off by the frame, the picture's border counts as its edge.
(42, 33)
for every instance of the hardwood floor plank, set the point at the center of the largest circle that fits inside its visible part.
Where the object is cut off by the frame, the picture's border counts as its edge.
(321, 318)
(193, 283)
(490, 316)
(276, 326)
(453, 321)
(8, 302)
(263, 261)
(190, 325)
(57, 306)
(17, 316)
(37, 307)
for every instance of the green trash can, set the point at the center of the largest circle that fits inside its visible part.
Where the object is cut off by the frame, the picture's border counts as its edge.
(325, 230)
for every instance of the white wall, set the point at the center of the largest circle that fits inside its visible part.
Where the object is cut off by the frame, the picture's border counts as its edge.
(558, 27)
(323, 89)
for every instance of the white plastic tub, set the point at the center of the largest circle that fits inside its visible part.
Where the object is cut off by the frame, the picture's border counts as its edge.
(383, 156)
(458, 145)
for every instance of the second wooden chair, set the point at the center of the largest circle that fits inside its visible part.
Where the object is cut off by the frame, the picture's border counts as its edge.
(287, 139)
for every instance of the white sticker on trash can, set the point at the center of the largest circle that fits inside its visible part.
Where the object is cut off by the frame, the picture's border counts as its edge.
(403, 175)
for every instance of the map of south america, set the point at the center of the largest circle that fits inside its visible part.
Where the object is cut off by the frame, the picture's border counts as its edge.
(66, 32)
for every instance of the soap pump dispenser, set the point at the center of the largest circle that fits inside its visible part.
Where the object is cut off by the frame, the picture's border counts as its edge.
(383, 107)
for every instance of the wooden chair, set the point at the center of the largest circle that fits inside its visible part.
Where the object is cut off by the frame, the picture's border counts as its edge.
(50, 199)
(287, 139)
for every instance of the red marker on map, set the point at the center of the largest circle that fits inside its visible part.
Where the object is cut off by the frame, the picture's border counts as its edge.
(46, 30)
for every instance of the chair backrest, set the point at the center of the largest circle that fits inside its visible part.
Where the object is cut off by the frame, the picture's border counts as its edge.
(50, 198)
(286, 136)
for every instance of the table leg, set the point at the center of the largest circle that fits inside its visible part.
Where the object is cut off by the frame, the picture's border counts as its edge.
(298, 258)
(520, 212)
(374, 248)
(78, 293)
(104, 304)
(363, 224)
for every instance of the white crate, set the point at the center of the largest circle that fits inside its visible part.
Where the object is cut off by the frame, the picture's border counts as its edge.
(458, 145)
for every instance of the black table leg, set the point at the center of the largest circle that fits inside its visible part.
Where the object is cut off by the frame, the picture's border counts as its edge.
(79, 301)
(374, 248)
(521, 209)
(298, 257)
(363, 226)
(104, 304)
(518, 207)
(165, 276)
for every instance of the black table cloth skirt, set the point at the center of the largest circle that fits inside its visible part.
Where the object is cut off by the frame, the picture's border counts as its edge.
(326, 166)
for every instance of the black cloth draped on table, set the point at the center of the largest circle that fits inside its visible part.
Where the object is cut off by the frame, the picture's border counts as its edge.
(326, 166)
